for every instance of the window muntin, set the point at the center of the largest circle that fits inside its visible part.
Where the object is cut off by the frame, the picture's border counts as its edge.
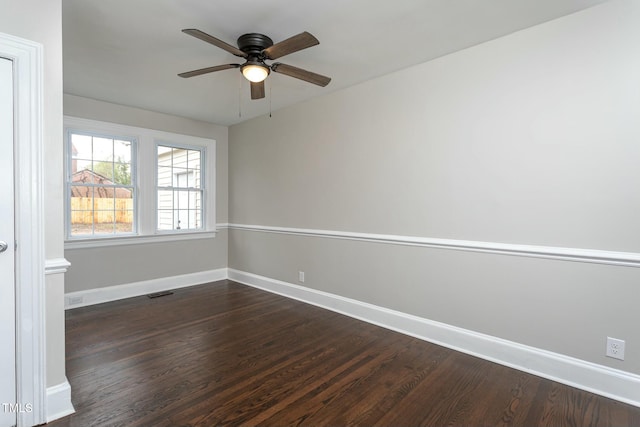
(180, 189)
(100, 185)
(144, 158)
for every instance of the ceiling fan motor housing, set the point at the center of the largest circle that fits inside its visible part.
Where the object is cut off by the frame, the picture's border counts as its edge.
(254, 43)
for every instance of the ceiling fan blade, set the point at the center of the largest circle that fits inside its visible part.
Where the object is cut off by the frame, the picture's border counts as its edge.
(299, 73)
(257, 90)
(214, 41)
(290, 45)
(208, 70)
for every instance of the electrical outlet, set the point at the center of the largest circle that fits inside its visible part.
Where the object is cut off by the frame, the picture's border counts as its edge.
(301, 276)
(615, 348)
(75, 300)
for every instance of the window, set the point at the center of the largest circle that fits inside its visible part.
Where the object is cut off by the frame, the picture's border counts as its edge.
(180, 191)
(100, 185)
(133, 185)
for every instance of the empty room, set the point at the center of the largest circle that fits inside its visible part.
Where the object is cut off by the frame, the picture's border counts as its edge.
(319, 213)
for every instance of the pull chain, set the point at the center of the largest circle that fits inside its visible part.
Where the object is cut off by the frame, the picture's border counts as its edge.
(240, 96)
(270, 98)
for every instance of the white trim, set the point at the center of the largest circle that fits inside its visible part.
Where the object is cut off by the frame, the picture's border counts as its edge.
(146, 157)
(30, 320)
(56, 266)
(202, 189)
(136, 240)
(596, 256)
(612, 383)
(117, 292)
(59, 401)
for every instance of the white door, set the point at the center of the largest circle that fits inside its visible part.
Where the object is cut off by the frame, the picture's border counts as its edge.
(8, 407)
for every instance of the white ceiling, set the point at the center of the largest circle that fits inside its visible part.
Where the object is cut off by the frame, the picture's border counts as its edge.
(130, 51)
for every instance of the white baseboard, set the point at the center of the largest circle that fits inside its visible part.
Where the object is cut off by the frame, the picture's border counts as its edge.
(602, 380)
(113, 293)
(59, 401)
(599, 379)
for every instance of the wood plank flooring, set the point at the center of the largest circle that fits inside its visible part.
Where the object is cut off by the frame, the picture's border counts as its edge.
(228, 354)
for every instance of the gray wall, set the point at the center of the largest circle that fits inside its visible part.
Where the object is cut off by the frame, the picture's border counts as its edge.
(96, 267)
(41, 21)
(529, 139)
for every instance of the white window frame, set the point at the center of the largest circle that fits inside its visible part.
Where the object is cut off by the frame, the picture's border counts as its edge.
(68, 185)
(203, 183)
(145, 185)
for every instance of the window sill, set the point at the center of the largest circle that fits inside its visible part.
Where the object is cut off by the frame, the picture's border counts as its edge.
(135, 240)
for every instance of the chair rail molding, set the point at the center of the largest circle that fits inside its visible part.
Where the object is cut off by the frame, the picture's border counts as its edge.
(56, 266)
(595, 256)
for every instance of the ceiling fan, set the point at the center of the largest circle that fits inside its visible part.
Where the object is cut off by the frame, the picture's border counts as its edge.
(256, 48)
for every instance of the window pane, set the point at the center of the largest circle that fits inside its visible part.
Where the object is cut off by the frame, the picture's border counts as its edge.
(103, 172)
(102, 148)
(194, 159)
(165, 210)
(198, 218)
(122, 173)
(165, 220)
(103, 203)
(179, 158)
(183, 219)
(122, 151)
(81, 223)
(194, 200)
(123, 209)
(82, 210)
(125, 225)
(163, 149)
(81, 147)
(84, 175)
(180, 177)
(195, 205)
(165, 199)
(164, 176)
(103, 228)
(181, 200)
(103, 219)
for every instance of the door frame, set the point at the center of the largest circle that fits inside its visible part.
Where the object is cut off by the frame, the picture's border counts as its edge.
(27, 57)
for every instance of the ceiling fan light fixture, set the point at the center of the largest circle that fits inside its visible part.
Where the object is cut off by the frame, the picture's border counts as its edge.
(255, 72)
(255, 48)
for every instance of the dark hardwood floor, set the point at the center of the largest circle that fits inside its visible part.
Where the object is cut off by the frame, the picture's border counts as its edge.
(228, 354)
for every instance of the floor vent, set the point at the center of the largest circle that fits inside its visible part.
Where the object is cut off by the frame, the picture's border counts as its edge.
(160, 294)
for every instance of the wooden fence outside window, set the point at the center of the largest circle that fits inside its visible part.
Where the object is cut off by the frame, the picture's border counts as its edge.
(89, 210)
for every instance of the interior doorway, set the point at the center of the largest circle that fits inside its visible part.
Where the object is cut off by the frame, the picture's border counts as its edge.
(8, 399)
(22, 263)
